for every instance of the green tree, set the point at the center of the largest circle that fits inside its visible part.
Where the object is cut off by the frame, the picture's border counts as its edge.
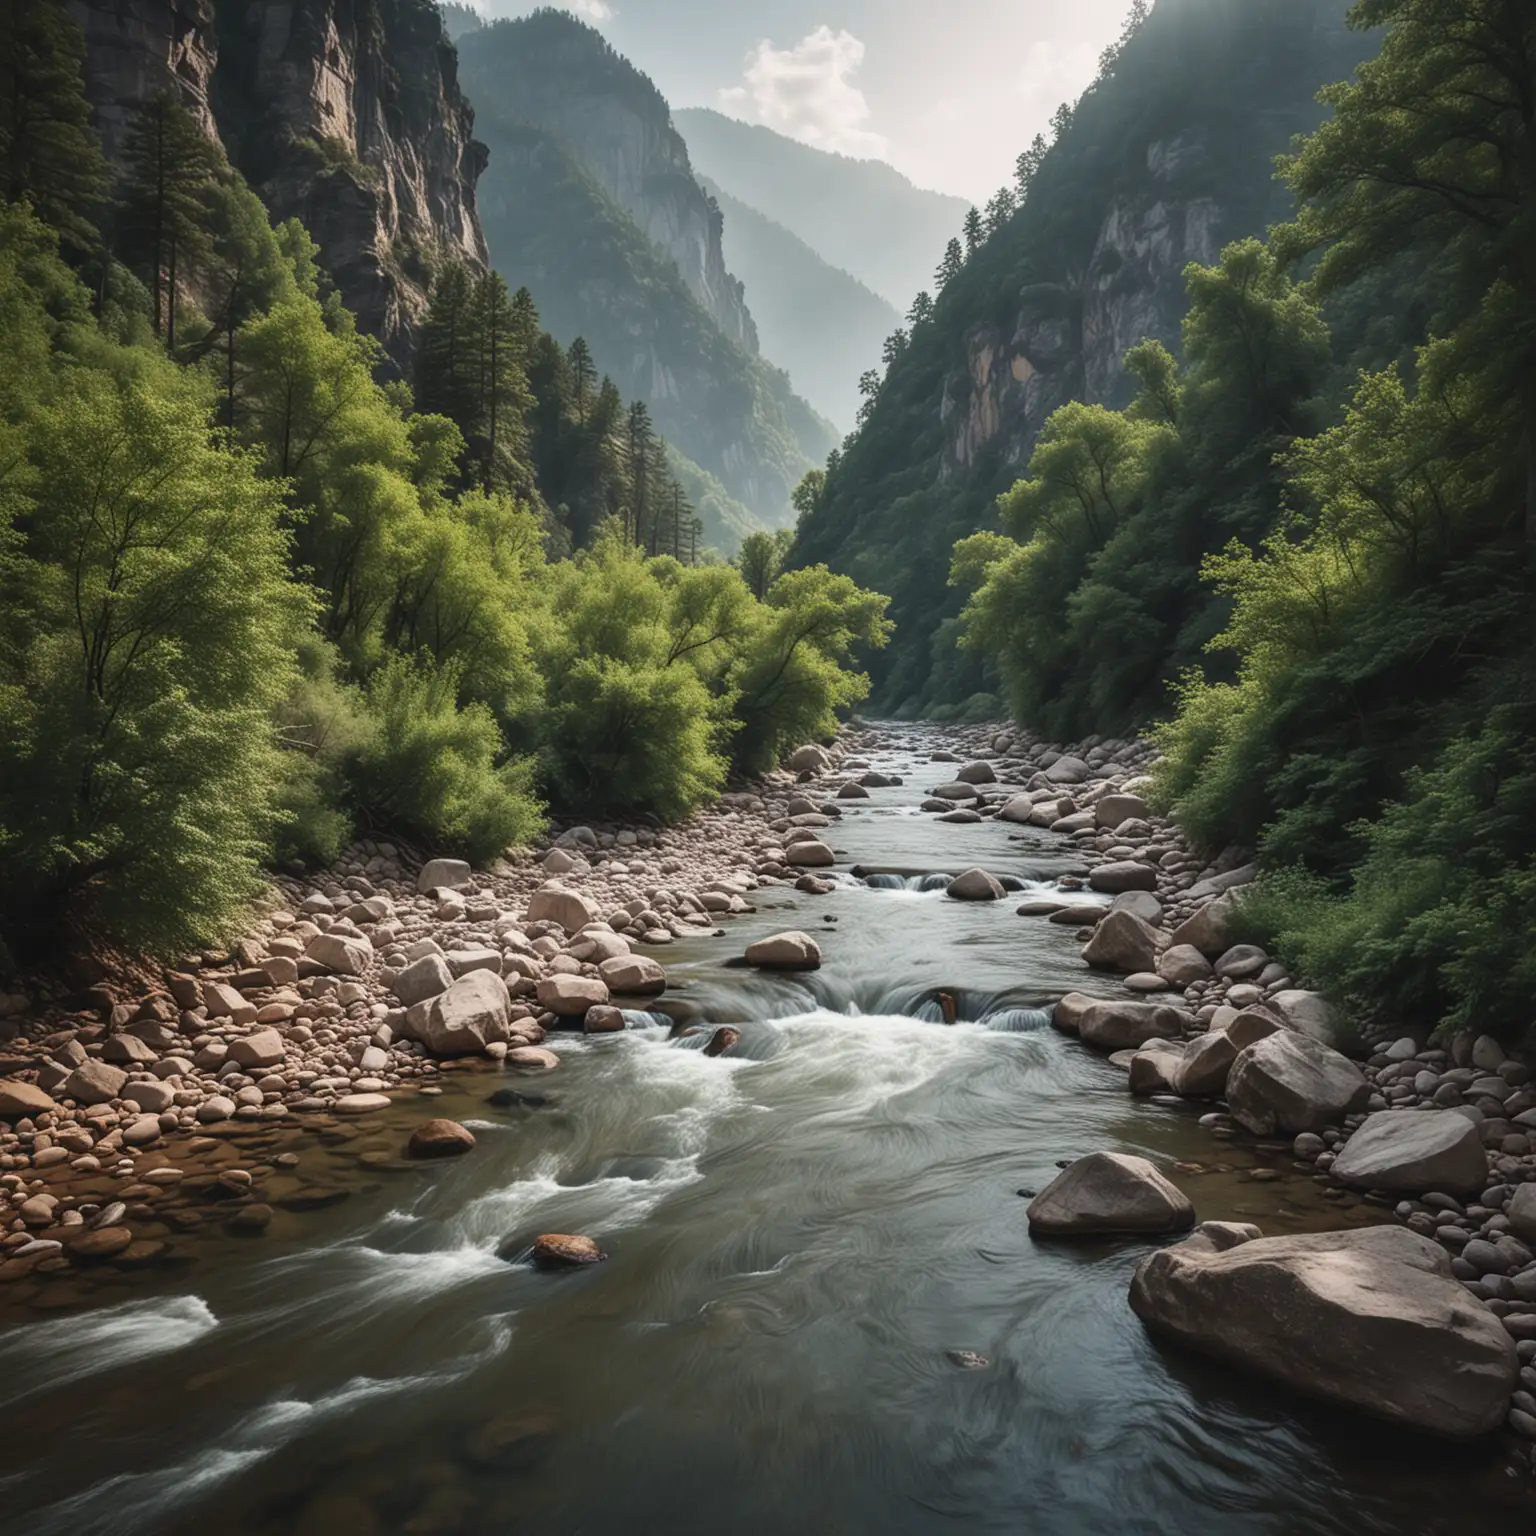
(951, 266)
(975, 232)
(761, 560)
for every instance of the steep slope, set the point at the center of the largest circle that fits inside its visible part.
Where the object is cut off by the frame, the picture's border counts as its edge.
(860, 215)
(820, 323)
(344, 113)
(1166, 160)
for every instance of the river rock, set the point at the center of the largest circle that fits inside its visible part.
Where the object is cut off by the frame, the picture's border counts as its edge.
(94, 1082)
(1109, 1192)
(100, 1243)
(1308, 1013)
(468, 1016)
(1288, 1083)
(1206, 930)
(1151, 1068)
(570, 909)
(1068, 770)
(1067, 1015)
(1111, 811)
(1203, 1070)
(1126, 875)
(975, 885)
(571, 996)
(1371, 1319)
(809, 759)
(1122, 942)
(224, 1002)
(1251, 1025)
(791, 951)
(341, 952)
(153, 1098)
(1521, 1212)
(810, 854)
(128, 1051)
(18, 1100)
(1127, 1026)
(1414, 1151)
(1182, 964)
(1018, 810)
(604, 1020)
(362, 1103)
(259, 1051)
(977, 773)
(560, 1250)
(427, 977)
(212, 1110)
(440, 1138)
(442, 874)
(633, 976)
(1240, 962)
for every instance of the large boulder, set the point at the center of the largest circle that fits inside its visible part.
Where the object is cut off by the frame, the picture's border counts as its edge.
(473, 1013)
(94, 1082)
(442, 874)
(1206, 930)
(1414, 1151)
(977, 773)
(1127, 875)
(1203, 1070)
(975, 885)
(20, 1100)
(809, 759)
(1111, 811)
(1287, 1083)
(1019, 810)
(1122, 942)
(633, 976)
(1371, 1319)
(263, 1049)
(811, 854)
(1181, 964)
(440, 1138)
(1067, 770)
(1109, 1192)
(792, 951)
(1127, 1026)
(1151, 1069)
(1309, 1013)
(345, 953)
(554, 904)
(427, 977)
(571, 996)
(1067, 1015)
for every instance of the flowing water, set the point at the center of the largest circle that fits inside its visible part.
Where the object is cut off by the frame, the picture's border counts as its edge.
(805, 1235)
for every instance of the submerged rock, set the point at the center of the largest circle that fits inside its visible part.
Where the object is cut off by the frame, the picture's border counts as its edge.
(559, 1250)
(975, 885)
(440, 1138)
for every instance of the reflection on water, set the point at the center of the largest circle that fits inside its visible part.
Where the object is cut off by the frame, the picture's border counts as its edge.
(801, 1233)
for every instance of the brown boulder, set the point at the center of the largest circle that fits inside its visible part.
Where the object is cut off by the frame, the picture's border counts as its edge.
(440, 1138)
(558, 1250)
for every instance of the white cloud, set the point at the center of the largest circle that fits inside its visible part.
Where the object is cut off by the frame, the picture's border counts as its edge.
(593, 10)
(1056, 72)
(808, 92)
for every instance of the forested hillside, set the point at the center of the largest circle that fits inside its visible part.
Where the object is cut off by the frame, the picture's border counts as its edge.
(589, 199)
(1308, 543)
(252, 597)
(861, 216)
(1166, 158)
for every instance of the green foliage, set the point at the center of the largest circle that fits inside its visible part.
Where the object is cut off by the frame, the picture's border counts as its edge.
(762, 560)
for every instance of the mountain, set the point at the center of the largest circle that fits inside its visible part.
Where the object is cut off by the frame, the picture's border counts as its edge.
(820, 323)
(860, 215)
(348, 118)
(590, 203)
(1166, 159)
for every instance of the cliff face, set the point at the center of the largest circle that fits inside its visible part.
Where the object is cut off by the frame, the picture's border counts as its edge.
(346, 114)
(554, 73)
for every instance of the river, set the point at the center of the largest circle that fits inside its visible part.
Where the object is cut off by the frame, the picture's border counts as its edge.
(804, 1235)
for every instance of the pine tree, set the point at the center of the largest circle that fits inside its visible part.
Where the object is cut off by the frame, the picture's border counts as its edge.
(895, 345)
(48, 150)
(503, 330)
(583, 378)
(169, 164)
(921, 311)
(638, 438)
(1027, 167)
(1002, 208)
(950, 267)
(974, 232)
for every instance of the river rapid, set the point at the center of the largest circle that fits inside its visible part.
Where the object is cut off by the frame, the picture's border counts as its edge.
(805, 1237)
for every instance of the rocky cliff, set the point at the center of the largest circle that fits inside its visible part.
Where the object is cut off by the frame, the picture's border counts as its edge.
(346, 114)
(553, 72)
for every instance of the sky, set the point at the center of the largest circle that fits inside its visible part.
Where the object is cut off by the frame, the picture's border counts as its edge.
(947, 91)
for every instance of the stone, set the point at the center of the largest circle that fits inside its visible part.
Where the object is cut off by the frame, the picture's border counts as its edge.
(1241, 961)
(1122, 942)
(1067, 1015)
(442, 874)
(100, 1243)
(1205, 1066)
(258, 1052)
(343, 953)
(532, 1058)
(140, 1132)
(975, 885)
(790, 951)
(20, 1100)
(559, 1250)
(1308, 1013)
(422, 979)
(604, 1020)
(440, 1138)
(224, 1002)
(809, 759)
(1125, 875)
(1251, 1025)
(212, 1110)
(1182, 964)
(633, 976)
(1206, 930)
(570, 909)
(1413, 1151)
(1018, 810)
(571, 996)
(462, 961)
(1142, 904)
(128, 1051)
(1068, 770)
(1127, 1026)
(1287, 1083)
(153, 1098)
(810, 854)
(1371, 1319)
(1151, 1068)
(474, 1011)
(1521, 1212)
(1111, 811)
(1109, 1192)
(94, 1082)
(361, 1103)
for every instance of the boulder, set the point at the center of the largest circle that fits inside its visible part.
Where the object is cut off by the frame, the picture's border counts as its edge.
(440, 1138)
(1287, 1083)
(1240, 962)
(1182, 964)
(1203, 1070)
(976, 773)
(975, 885)
(94, 1082)
(442, 874)
(1126, 875)
(1308, 1013)
(1067, 1015)
(559, 1250)
(571, 996)
(1127, 1026)
(467, 1017)
(1109, 1192)
(1521, 1212)
(19, 1100)
(1151, 1068)
(633, 976)
(1068, 770)
(128, 1051)
(461, 962)
(152, 1098)
(1122, 942)
(604, 1020)
(1142, 904)
(809, 759)
(263, 1049)
(340, 952)
(1110, 811)
(792, 951)
(1370, 1319)
(554, 904)
(1251, 1025)
(427, 977)
(1206, 930)
(1414, 1151)
(1018, 810)
(224, 1002)
(810, 854)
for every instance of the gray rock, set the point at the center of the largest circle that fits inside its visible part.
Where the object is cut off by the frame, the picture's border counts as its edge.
(1182, 964)
(1152, 1067)
(264, 1048)
(1127, 875)
(570, 909)
(1207, 928)
(1521, 1212)
(571, 996)
(1370, 1319)
(1203, 1071)
(791, 951)
(1109, 1192)
(341, 952)
(1287, 1083)
(633, 976)
(975, 885)
(470, 1015)
(1241, 962)
(1111, 811)
(811, 854)
(1308, 1013)
(442, 874)
(1142, 904)
(1125, 1026)
(1412, 1151)
(1122, 942)
(427, 977)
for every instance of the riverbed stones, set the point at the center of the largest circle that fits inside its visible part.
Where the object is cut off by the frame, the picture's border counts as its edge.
(1411, 1151)
(152, 1098)
(426, 977)
(633, 976)
(555, 904)
(1371, 1319)
(442, 874)
(810, 758)
(975, 885)
(1123, 875)
(1067, 1015)
(19, 1100)
(100, 1243)
(259, 1051)
(1127, 1026)
(1122, 942)
(1288, 1083)
(440, 1138)
(94, 1082)
(569, 997)
(562, 1250)
(468, 1016)
(789, 951)
(1109, 1193)
(344, 953)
